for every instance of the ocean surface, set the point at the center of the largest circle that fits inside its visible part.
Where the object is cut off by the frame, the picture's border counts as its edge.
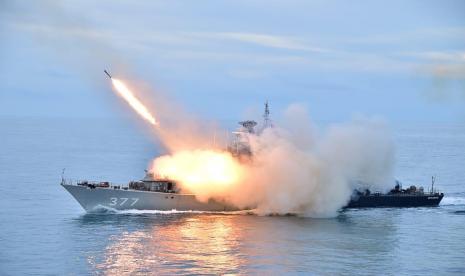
(43, 230)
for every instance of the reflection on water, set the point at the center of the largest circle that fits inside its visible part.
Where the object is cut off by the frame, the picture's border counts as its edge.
(125, 254)
(236, 244)
(206, 243)
(190, 243)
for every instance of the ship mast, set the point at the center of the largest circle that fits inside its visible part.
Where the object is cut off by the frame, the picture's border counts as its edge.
(266, 117)
(433, 179)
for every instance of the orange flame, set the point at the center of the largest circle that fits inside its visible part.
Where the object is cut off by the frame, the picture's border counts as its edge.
(135, 103)
(200, 171)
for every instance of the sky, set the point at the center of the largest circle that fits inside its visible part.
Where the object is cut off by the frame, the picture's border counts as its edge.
(403, 61)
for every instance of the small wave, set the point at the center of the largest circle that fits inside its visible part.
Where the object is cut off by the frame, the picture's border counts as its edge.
(161, 212)
(104, 209)
(450, 200)
(174, 211)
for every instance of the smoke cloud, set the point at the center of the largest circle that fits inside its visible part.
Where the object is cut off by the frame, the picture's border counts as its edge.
(294, 168)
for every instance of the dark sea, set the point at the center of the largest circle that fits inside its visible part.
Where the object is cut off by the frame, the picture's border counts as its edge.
(43, 230)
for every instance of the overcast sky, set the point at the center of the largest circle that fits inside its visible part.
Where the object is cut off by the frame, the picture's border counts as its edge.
(400, 60)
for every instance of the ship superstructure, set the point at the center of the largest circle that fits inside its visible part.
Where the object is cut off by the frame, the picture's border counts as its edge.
(240, 145)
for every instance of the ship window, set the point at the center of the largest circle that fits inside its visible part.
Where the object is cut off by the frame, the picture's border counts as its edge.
(172, 197)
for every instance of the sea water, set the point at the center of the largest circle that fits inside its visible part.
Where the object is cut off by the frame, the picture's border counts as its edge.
(43, 230)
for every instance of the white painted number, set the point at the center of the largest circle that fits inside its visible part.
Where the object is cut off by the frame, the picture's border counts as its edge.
(122, 200)
(134, 200)
(113, 201)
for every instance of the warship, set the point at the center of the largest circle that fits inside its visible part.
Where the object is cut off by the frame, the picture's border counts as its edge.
(397, 197)
(151, 193)
(146, 194)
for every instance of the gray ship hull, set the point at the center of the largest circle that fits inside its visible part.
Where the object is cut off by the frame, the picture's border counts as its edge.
(119, 199)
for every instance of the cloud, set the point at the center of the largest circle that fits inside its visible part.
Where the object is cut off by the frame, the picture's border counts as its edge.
(440, 56)
(447, 71)
(445, 65)
(237, 57)
(272, 41)
(408, 36)
(176, 48)
(54, 30)
(447, 32)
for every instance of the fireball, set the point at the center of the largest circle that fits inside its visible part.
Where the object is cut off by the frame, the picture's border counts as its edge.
(203, 172)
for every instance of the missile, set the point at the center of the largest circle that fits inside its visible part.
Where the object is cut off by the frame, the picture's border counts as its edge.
(108, 74)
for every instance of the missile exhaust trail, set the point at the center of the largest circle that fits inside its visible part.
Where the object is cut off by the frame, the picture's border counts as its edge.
(123, 91)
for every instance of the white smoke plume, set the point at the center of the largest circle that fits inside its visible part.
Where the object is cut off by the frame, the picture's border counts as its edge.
(296, 169)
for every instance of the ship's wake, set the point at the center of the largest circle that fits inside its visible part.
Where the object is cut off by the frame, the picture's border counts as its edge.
(252, 212)
(452, 201)
(100, 209)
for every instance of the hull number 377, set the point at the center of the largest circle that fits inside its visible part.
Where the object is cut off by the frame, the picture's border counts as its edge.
(123, 201)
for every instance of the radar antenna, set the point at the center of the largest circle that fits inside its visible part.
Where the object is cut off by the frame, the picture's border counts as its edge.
(248, 126)
(266, 117)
